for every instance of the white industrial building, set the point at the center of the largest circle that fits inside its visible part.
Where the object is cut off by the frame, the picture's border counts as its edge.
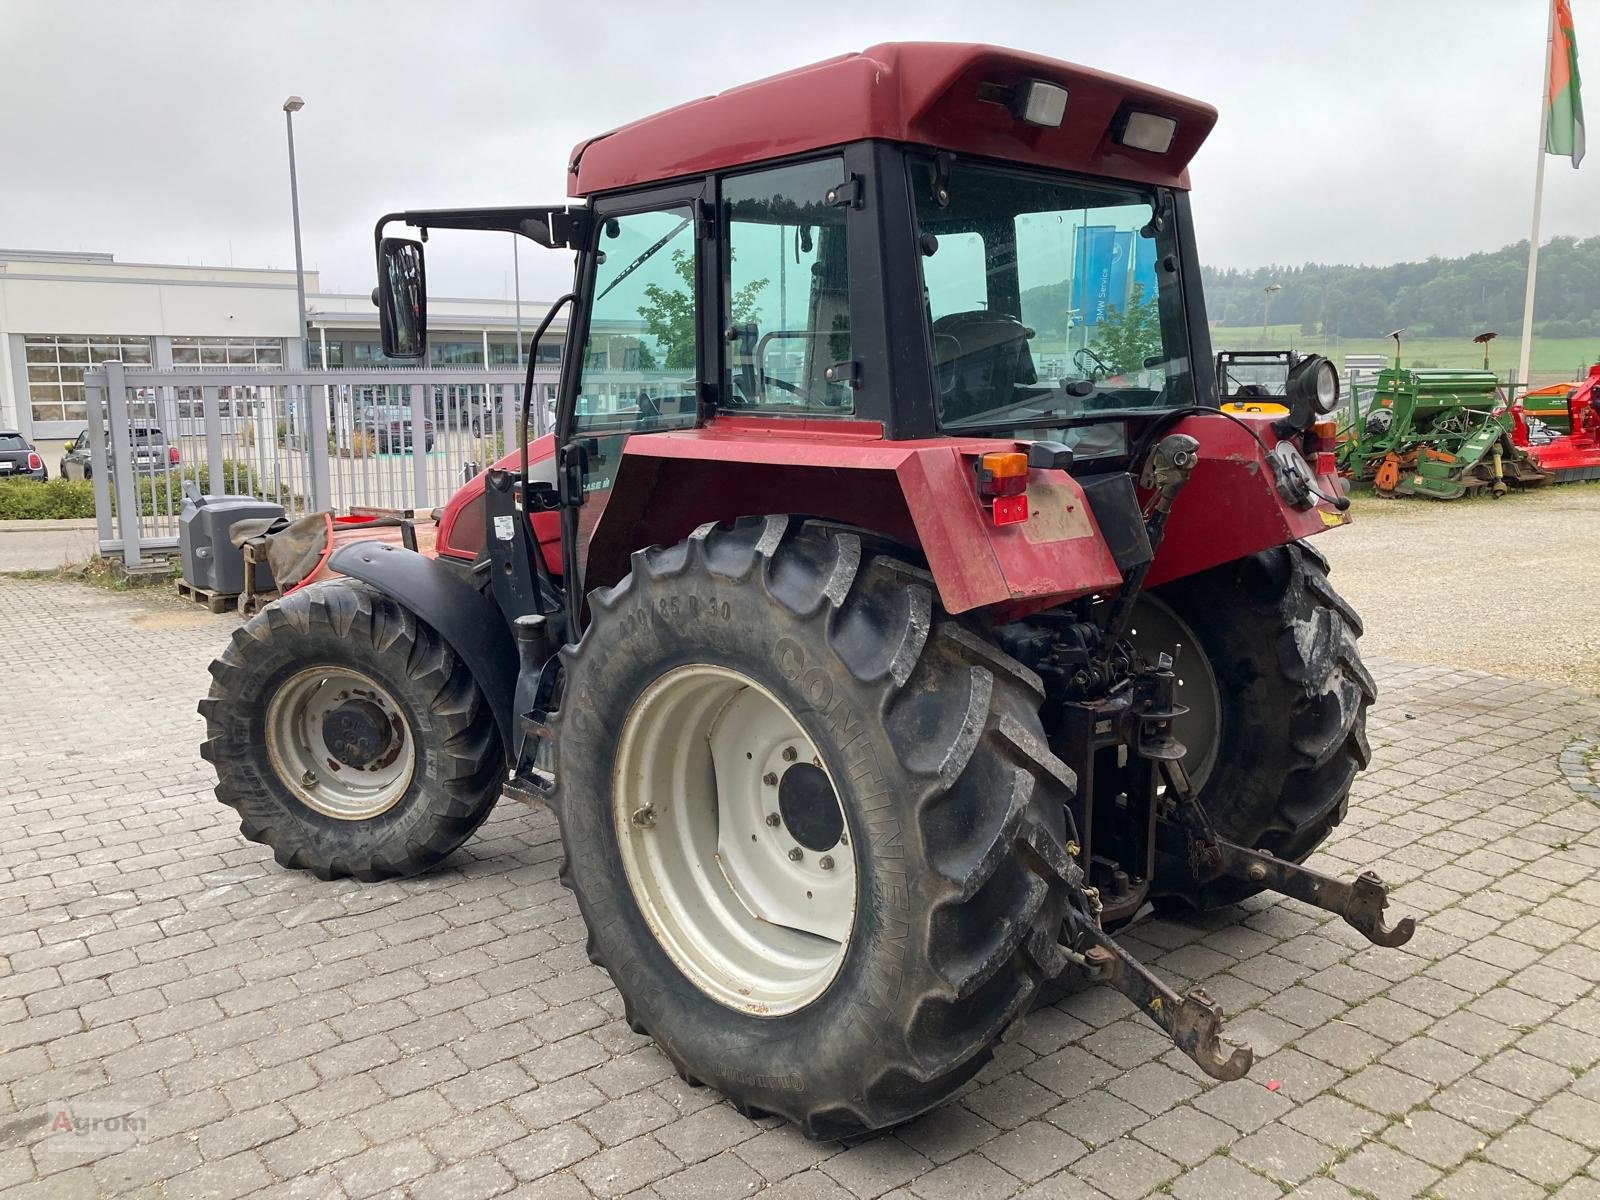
(62, 312)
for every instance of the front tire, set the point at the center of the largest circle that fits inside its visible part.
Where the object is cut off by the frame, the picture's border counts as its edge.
(924, 740)
(1291, 695)
(348, 736)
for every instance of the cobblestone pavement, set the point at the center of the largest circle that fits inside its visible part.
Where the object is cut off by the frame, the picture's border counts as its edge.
(270, 1034)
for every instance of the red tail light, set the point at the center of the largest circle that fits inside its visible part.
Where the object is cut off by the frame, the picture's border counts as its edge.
(34, 462)
(172, 454)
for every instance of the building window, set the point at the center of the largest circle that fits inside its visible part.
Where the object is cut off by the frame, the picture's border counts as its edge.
(56, 364)
(223, 352)
(227, 352)
(455, 354)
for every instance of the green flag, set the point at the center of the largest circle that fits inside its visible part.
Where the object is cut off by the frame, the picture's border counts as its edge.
(1564, 122)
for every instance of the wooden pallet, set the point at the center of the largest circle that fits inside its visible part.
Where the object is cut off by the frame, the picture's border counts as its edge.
(217, 602)
(243, 603)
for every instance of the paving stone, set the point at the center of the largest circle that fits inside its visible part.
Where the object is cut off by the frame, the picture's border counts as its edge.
(722, 1177)
(383, 1167)
(626, 1168)
(1384, 1090)
(1246, 1104)
(1283, 1153)
(1537, 1154)
(1384, 1172)
(876, 1167)
(1125, 1169)
(968, 1178)
(1187, 1135)
(1434, 1138)
(1034, 1151)
(779, 1153)
(1096, 1118)
(1485, 1181)
(1222, 1177)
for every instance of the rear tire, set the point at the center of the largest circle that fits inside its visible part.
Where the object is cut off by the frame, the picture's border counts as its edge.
(1293, 706)
(437, 767)
(953, 815)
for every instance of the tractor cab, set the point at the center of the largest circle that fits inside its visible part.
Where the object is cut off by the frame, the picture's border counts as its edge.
(893, 613)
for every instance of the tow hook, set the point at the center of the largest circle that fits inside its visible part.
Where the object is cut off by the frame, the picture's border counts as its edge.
(1193, 1022)
(1361, 904)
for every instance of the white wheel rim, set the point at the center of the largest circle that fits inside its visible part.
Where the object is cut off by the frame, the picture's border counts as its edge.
(1157, 629)
(754, 918)
(332, 778)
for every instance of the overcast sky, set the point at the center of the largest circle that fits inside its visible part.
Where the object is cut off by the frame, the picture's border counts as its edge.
(1350, 130)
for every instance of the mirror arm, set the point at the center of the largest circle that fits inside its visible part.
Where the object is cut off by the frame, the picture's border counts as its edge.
(553, 228)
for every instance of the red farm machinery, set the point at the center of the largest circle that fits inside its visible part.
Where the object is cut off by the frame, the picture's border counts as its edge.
(1559, 428)
(881, 639)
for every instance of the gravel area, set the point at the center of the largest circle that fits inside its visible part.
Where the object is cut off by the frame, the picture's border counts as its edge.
(1506, 586)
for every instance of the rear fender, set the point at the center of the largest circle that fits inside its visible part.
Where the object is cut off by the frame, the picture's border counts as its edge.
(464, 617)
(922, 494)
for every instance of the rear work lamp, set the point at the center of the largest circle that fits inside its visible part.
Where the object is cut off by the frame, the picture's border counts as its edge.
(1147, 131)
(1040, 103)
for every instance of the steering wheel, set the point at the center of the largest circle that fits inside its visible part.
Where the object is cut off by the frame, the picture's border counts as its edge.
(1090, 363)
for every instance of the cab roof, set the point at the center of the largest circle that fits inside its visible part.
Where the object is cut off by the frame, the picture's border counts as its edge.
(925, 93)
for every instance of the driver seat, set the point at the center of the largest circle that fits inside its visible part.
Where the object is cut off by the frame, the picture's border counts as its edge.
(982, 357)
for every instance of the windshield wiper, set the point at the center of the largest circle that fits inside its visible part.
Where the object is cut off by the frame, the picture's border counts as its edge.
(645, 257)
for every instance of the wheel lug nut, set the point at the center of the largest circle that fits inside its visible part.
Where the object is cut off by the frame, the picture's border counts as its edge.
(795, 855)
(826, 862)
(789, 754)
(773, 819)
(770, 779)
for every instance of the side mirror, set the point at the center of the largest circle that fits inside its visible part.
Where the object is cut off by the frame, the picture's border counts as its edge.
(402, 298)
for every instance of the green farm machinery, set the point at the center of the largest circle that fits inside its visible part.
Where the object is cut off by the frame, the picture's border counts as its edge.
(1437, 432)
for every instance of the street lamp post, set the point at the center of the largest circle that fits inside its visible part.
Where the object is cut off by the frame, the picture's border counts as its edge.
(1266, 307)
(291, 106)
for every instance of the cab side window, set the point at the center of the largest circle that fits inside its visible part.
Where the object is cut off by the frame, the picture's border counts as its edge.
(639, 359)
(786, 290)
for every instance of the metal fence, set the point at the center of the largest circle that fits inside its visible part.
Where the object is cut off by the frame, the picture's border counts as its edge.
(311, 440)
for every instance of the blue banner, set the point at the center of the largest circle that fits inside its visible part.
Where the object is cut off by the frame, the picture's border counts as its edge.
(1092, 271)
(1144, 268)
(1121, 263)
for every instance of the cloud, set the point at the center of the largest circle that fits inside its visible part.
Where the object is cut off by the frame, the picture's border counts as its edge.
(1356, 131)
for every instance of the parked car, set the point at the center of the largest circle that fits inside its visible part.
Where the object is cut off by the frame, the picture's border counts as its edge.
(390, 427)
(19, 459)
(151, 453)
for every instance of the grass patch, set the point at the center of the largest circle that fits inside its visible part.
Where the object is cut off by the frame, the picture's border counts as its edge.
(102, 573)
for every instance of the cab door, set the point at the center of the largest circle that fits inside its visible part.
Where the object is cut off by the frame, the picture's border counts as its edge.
(642, 367)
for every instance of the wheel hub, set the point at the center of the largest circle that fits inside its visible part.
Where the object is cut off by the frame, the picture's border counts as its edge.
(809, 809)
(359, 734)
(340, 743)
(733, 840)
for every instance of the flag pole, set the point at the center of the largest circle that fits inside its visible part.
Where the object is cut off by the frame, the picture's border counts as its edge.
(1524, 364)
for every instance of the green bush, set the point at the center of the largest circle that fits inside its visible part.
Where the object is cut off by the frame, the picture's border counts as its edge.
(64, 499)
(157, 492)
(55, 500)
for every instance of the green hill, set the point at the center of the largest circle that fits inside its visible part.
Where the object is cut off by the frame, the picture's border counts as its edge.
(1439, 297)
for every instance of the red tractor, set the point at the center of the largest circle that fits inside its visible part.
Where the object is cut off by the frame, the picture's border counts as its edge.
(885, 622)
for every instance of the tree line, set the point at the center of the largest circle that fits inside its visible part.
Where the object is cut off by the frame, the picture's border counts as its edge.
(1440, 297)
